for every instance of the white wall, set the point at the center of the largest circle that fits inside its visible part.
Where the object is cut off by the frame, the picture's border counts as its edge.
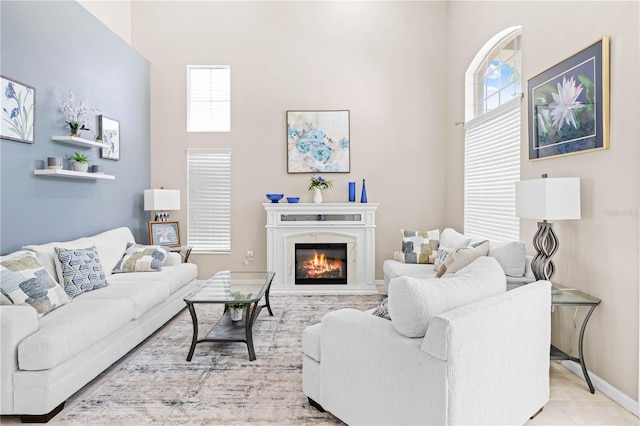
(380, 60)
(598, 254)
(115, 14)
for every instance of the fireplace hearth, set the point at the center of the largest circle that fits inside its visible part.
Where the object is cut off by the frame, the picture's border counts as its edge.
(321, 263)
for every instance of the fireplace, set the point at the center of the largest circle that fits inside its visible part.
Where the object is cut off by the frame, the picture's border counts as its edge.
(321, 263)
(351, 224)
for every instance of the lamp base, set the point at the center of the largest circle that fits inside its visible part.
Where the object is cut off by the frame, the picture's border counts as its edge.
(162, 217)
(546, 244)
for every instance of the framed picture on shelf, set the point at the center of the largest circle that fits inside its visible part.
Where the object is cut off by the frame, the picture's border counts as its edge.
(18, 107)
(569, 105)
(164, 234)
(318, 142)
(110, 132)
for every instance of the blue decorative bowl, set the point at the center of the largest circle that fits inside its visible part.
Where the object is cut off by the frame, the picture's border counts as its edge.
(274, 198)
(293, 199)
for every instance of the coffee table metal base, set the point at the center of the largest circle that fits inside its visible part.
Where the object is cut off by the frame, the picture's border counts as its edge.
(226, 330)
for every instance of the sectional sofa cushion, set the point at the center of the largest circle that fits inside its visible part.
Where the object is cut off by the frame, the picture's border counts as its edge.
(511, 255)
(81, 270)
(419, 246)
(64, 333)
(111, 245)
(24, 281)
(47, 256)
(141, 258)
(413, 303)
(143, 296)
(175, 276)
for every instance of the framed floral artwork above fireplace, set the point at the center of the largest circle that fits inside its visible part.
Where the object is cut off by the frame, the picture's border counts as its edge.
(318, 141)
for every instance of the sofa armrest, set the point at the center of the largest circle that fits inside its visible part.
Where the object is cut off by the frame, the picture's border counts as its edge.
(16, 323)
(500, 343)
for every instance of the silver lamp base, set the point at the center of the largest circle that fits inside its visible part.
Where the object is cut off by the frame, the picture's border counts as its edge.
(546, 243)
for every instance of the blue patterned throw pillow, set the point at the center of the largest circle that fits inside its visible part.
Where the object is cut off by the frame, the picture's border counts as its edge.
(81, 270)
(24, 281)
(140, 258)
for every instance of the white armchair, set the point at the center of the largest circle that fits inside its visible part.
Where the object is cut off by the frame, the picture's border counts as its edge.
(483, 362)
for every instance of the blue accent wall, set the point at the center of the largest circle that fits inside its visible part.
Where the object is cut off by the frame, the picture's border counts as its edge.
(54, 47)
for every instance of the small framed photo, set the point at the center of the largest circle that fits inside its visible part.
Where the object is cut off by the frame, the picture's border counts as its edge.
(110, 132)
(164, 234)
(18, 108)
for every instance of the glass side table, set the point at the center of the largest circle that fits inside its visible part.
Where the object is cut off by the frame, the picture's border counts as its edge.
(184, 252)
(563, 296)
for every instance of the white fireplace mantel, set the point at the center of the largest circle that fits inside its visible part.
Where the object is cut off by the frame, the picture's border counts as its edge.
(352, 223)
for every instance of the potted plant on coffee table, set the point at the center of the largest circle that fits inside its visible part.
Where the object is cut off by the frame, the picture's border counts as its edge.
(236, 310)
(80, 162)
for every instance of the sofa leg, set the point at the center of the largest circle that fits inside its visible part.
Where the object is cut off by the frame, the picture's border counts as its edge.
(316, 405)
(537, 412)
(42, 418)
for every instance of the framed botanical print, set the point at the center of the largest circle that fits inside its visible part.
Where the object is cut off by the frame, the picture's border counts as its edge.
(569, 105)
(18, 105)
(110, 133)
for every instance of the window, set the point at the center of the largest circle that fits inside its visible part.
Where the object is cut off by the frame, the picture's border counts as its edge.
(209, 200)
(492, 154)
(208, 98)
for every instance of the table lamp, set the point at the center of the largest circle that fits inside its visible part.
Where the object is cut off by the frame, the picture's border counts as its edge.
(547, 199)
(160, 200)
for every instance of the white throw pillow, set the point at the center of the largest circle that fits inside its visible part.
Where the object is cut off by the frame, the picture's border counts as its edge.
(511, 255)
(461, 258)
(413, 302)
(450, 240)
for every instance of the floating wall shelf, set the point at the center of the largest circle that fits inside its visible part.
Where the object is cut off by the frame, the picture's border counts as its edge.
(70, 174)
(72, 140)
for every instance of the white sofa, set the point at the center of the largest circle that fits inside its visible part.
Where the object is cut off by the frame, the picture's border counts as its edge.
(45, 360)
(483, 359)
(511, 255)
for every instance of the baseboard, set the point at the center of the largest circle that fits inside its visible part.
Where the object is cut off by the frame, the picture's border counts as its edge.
(615, 394)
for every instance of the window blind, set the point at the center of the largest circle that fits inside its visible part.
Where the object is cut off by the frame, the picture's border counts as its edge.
(492, 166)
(209, 98)
(209, 200)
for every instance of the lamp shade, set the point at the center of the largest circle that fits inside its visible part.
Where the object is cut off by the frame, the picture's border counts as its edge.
(162, 199)
(548, 198)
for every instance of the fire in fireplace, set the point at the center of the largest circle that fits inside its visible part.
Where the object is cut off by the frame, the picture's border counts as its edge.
(321, 263)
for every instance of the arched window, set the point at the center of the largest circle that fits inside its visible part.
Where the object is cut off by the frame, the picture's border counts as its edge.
(492, 153)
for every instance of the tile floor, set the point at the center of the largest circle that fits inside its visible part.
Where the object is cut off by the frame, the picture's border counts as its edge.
(571, 403)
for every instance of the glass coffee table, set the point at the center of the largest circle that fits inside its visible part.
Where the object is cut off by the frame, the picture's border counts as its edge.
(231, 288)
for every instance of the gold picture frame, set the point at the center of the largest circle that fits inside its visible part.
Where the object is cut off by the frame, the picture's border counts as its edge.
(569, 105)
(164, 233)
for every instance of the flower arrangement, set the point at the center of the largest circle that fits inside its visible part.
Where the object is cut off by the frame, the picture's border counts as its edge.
(318, 182)
(74, 114)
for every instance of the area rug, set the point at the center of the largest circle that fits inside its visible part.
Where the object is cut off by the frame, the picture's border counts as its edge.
(156, 385)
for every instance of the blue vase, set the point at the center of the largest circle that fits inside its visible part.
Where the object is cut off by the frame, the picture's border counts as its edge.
(352, 192)
(363, 197)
